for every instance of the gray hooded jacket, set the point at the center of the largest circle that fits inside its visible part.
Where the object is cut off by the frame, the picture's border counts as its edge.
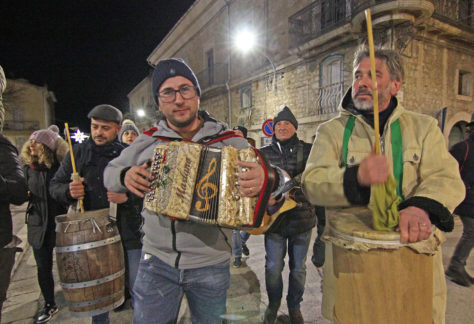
(181, 244)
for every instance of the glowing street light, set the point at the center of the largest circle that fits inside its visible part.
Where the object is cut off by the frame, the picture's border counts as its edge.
(141, 113)
(246, 41)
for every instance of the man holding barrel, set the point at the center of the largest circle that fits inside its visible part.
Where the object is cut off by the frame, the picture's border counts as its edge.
(180, 257)
(91, 158)
(343, 166)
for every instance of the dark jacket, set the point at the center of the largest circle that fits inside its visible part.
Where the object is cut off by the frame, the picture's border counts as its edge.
(91, 160)
(463, 152)
(42, 208)
(12, 187)
(284, 155)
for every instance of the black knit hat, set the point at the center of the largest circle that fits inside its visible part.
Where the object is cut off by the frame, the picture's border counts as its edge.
(169, 68)
(242, 129)
(107, 113)
(285, 114)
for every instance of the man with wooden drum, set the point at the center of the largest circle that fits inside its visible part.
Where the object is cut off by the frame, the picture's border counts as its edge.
(91, 158)
(180, 257)
(343, 165)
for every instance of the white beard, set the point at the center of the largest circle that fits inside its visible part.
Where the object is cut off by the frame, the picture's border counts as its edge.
(368, 105)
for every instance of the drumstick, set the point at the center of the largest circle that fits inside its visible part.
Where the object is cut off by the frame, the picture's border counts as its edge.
(375, 95)
(75, 176)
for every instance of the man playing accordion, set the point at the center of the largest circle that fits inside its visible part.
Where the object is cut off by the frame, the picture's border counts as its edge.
(180, 257)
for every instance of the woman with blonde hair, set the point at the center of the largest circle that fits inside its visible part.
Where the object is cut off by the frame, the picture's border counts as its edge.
(42, 154)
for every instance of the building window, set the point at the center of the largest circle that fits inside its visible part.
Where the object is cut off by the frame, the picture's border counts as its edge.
(464, 83)
(246, 97)
(331, 81)
(210, 67)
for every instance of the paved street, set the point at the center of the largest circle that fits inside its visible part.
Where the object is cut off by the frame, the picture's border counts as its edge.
(246, 301)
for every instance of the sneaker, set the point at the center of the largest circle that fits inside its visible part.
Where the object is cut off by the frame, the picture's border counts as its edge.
(245, 249)
(296, 317)
(458, 275)
(46, 313)
(237, 263)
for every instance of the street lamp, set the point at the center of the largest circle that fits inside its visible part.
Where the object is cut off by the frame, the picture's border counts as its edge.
(141, 113)
(246, 41)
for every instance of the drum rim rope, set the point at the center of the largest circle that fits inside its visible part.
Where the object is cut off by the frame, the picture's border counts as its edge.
(357, 239)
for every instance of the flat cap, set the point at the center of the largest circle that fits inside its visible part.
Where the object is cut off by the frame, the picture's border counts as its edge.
(107, 113)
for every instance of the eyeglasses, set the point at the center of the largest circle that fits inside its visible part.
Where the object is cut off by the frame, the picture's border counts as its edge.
(169, 95)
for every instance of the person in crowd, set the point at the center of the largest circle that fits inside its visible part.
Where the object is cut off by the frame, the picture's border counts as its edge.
(319, 246)
(13, 190)
(91, 158)
(180, 257)
(129, 221)
(3, 86)
(343, 165)
(129, 132)
(463, 152)
(42, 154)
(293, 233)
(240, 238)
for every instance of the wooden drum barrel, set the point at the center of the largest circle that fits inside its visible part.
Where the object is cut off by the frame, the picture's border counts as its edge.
(373, 277)
(90, 261)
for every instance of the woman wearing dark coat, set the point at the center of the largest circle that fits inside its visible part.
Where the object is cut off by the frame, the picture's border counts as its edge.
(42, 154)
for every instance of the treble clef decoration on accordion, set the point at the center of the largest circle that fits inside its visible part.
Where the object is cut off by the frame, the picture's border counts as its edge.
(199, 183)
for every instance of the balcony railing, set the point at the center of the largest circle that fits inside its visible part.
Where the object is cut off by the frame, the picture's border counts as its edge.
(322, 16)
(316, 19)
(458, 12)
(215, 76)
(329, 98)
(21, 125)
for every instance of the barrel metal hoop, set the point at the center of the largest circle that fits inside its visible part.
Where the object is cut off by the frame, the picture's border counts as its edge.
(92, 283)
(99, 310)
(87, 246)
(95, 301)
(364, 240)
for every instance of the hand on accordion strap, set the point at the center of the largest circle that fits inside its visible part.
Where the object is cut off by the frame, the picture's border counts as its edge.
(138, 179)
(251, 180)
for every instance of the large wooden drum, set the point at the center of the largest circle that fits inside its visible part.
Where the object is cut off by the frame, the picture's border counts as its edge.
(374, 278)
(90, 261)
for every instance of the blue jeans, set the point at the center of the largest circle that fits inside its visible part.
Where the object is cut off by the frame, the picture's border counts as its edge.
(275, 248)
(160, 288)
(239, 238)
(133, 260)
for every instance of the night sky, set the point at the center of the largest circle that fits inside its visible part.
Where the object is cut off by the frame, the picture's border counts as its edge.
(86, 52)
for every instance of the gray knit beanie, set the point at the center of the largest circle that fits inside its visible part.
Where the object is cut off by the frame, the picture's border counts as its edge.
(285, 114)
(128, 125)
(169, 68)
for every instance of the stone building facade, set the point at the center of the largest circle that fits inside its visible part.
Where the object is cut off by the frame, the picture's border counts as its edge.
(304, 57)
(28, 107)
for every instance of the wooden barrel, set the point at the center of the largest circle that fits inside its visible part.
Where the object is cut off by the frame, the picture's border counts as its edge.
(375, 278)
(90, 261)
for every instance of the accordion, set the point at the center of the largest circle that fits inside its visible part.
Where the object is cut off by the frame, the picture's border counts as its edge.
(199, 183)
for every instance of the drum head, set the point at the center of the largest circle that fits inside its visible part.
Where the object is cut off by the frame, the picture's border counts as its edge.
(357, 222)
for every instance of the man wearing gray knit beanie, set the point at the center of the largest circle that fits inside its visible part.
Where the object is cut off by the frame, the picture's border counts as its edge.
(172, 248)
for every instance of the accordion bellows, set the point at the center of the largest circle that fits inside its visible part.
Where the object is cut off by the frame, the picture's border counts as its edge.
(199, 183)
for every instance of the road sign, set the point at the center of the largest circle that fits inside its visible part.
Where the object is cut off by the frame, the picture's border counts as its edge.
(267, 127)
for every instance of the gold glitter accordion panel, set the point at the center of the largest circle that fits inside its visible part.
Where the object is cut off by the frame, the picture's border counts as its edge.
(199, 183)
